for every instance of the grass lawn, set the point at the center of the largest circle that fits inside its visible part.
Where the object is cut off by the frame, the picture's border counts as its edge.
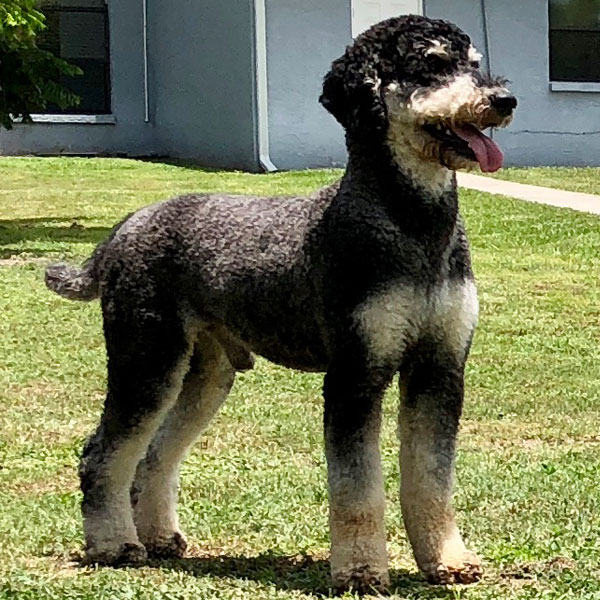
(573, 179)
(254, 500)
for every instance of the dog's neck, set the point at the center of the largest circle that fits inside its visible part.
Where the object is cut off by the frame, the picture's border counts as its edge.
(428, 175)
(426, 213)
(395, 174)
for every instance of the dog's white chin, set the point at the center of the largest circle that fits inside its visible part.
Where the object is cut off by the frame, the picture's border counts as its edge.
(409, 152)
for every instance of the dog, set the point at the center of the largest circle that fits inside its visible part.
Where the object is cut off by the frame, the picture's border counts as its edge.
(364, 279)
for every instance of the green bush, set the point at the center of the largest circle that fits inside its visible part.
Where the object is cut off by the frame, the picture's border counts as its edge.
(29, 76)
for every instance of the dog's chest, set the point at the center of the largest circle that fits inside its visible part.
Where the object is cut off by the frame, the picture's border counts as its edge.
(392, 320)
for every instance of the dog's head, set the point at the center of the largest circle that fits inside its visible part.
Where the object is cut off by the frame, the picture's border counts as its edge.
(415, 84)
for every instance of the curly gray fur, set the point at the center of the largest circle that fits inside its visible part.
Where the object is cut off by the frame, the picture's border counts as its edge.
(72, 282)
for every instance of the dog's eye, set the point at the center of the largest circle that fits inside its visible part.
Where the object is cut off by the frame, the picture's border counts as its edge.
(475, 64)
(439, 61)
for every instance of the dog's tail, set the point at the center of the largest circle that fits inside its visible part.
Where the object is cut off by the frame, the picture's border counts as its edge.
(80, 283)
(73, 283)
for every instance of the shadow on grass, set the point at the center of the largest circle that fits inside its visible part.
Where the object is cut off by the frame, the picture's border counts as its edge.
(190, 164)
(299, 572)
(43, 232)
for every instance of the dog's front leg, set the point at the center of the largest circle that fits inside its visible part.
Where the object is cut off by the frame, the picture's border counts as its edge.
(431, 403)
(352, 424)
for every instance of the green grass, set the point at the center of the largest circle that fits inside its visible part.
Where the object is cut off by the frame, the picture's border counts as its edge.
(254, 501)
(573, 179)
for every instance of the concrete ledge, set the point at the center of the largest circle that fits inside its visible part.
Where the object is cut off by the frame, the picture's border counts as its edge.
(75, 119)
(575, 86)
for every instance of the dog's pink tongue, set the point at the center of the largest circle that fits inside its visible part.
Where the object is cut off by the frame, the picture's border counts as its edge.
(488, 154)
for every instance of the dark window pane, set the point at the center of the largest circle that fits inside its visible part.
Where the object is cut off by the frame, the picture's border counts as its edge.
(79, 34)
(575, 14)
(83, 4)
(92, 87)
(574, 56)
(82, 35)
(49, 38)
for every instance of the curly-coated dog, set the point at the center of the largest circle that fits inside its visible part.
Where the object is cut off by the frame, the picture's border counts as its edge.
(364, 279)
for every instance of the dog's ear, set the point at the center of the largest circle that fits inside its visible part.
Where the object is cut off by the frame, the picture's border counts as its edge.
(333, 97)
(352, 94)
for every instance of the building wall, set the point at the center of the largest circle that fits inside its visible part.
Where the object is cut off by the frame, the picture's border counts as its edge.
(550, 128)
(303, 38)
(129, 134)
(202, 94)
(201, 84)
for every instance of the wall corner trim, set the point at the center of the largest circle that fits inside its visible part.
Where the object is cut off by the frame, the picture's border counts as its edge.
(262, 86)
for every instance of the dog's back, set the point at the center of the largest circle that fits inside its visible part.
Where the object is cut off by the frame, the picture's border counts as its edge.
(250, 264)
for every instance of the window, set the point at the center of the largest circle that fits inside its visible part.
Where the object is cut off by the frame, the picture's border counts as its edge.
(574, 40)
(77, 30)
(368, 12)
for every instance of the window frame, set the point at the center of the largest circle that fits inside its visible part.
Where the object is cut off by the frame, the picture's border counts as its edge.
(73, 115)
(569, 85)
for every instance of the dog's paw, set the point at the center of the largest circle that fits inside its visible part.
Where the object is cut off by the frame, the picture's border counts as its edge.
(363, 579)
(173, 546)
(464, 569)
(129, 554)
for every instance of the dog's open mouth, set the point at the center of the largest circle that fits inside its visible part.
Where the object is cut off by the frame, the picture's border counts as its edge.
(469, 142)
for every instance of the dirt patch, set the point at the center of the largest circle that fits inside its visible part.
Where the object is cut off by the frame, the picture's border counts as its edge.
(502, 435)
(533, 570)
(36, 388)
(57, 484)
(239, 548)
(542, 287)
(60, 566)
(19, 261)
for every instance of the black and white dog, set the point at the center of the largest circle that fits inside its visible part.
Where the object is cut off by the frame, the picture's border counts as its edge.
(364, 279)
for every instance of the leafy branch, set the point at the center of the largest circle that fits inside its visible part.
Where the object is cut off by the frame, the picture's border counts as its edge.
(29, 76)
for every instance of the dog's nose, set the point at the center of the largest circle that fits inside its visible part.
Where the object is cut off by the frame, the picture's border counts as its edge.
(503, 103)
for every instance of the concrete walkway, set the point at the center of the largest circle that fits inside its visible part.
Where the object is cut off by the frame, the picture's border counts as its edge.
(589, 203)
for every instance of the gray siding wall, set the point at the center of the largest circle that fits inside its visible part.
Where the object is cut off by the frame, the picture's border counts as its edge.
(550, 128)
(202, 58)
(202, 96)
(302, 40)
(129, 134)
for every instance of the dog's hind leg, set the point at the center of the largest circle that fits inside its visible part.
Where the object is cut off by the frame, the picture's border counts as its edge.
(353, 395)
(154, 493)
(148, 351)
(432, 394)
